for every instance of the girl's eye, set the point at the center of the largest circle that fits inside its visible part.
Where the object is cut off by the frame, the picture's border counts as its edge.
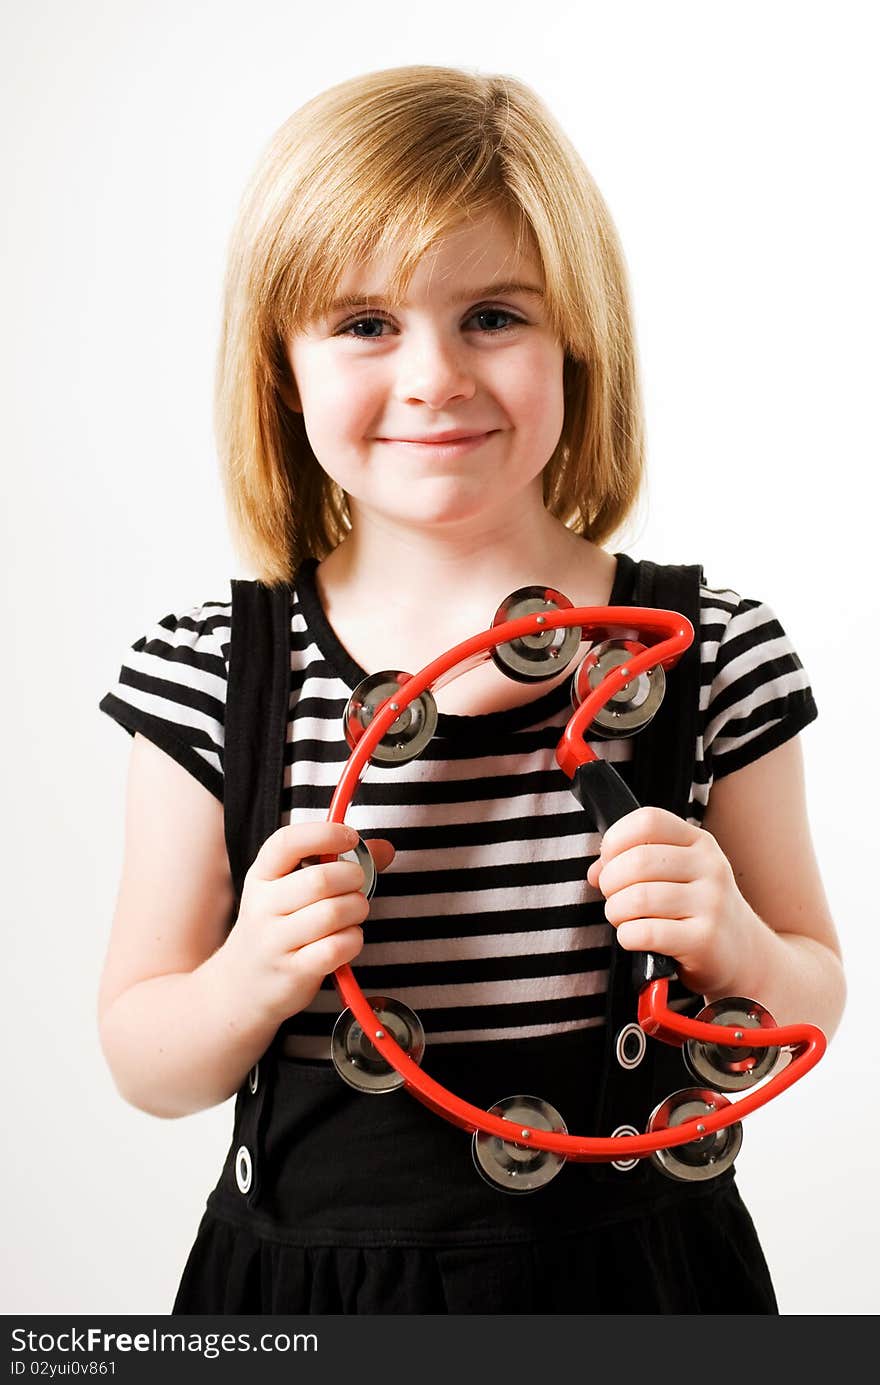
(488, 318)
(369, 323)
(492, 321)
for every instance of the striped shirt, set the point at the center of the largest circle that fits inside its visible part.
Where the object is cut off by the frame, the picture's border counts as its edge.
(484, 922)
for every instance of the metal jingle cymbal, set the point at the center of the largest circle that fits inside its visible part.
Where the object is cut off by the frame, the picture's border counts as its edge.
(360, 852)
(406, 737)
(541, 656)
(513, 1167)
(702, 1158)
(355, 1056)
(726, 1066)
(634, 705)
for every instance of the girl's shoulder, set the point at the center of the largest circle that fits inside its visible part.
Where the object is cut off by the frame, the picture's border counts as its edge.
(171, 685)
(755, 692)
(191, 642)
(202, 627)
(738, 627)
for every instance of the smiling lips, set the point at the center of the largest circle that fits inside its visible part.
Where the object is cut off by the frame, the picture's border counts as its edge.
(451, 443)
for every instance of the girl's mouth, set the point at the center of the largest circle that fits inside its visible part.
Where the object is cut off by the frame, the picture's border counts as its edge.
(448, 447)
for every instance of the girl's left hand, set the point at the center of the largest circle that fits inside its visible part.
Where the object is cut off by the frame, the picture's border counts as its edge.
(670, 888)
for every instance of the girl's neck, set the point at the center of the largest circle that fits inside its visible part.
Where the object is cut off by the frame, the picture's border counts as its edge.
(383, 574)
(400, 606)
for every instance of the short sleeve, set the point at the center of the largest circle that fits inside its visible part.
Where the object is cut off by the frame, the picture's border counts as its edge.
(759, 693)
(172, 689)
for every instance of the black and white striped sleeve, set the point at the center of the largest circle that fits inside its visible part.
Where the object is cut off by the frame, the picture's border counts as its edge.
(172, 689)
(760, 695)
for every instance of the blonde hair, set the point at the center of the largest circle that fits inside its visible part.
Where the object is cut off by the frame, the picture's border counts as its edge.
(407, 154)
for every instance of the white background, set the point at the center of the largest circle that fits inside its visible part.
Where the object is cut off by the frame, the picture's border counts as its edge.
(734, 146)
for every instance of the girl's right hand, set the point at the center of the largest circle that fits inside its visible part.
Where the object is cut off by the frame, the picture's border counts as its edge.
(296, 925)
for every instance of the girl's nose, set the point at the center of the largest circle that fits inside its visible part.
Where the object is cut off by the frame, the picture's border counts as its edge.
(432, 371)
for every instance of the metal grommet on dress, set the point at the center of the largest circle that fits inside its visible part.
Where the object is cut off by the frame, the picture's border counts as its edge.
(243, 1169)
(624, 1165)
(630, 1046)
(254, 1077)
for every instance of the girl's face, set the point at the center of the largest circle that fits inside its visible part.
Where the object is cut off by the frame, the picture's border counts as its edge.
(445, 407)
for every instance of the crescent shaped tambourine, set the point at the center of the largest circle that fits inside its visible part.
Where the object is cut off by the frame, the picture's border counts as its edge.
(733, 1047)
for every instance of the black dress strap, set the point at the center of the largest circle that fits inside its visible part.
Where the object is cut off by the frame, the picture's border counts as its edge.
(257, 708)
(665, 766)
(661, 775)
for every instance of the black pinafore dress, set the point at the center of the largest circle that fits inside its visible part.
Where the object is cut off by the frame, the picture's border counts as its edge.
(335, 1201)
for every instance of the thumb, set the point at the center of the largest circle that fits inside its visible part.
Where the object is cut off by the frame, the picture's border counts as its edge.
(382, 852)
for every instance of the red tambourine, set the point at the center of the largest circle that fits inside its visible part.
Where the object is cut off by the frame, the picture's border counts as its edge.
(730, 1047)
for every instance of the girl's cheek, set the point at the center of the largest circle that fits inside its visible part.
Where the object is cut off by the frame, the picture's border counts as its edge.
(538, 384)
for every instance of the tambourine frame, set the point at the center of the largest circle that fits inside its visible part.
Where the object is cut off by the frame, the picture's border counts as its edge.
(805, 1043)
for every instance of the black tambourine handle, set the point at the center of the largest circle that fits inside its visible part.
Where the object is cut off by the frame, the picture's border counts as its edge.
(598, 787)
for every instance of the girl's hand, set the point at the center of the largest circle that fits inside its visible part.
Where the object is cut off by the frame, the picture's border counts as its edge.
(670, 888)
(296, 926)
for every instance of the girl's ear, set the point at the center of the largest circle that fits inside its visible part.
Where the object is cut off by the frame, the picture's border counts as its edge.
(290, 394)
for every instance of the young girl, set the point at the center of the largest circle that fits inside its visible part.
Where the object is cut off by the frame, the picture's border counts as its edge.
(428, 399)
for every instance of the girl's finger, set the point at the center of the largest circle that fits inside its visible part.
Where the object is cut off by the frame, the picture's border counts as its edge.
(315, 879)
(285, 849)
(655, 900)
(312, 882)
(646, 825)
(643, 863)
(319, 920)
(667, 936)
(679, 940)
(317, 959)
(381, 851)
(379, 848)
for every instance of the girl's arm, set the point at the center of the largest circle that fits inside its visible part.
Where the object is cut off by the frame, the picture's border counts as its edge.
(172, 1032)
(187, 1006)
(739, 902)
(758, 816)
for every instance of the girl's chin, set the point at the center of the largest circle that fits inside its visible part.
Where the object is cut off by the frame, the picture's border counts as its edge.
(423, 512)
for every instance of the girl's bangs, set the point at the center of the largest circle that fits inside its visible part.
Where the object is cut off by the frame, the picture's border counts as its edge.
(397, 223)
